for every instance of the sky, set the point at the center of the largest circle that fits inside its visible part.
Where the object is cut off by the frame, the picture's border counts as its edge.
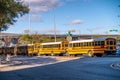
(79, 16)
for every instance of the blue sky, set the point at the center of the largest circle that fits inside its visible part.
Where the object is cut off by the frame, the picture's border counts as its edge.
(83, 16)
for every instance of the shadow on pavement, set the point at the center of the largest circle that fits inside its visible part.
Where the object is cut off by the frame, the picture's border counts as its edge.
(37, 73)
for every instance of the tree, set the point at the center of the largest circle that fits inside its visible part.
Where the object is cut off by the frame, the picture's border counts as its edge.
(25, 39)
(36, 38)
(10, 10)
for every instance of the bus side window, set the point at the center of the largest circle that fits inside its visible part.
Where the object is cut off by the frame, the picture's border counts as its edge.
(54, 46)
(66, 45)
(90, 43)
(102, 43)
(96, 43)
(43, 46)
(111, 42)
(85, 43)
(114, 42)
(107, 42)
(49, 46)
(78, 44)
(59, 45)
(81, 44)
(70, 45)
(93, 43)
(73, 44)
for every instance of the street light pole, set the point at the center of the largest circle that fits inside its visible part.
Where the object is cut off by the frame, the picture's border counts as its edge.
(29, 18)
(54, 24)
(53, 9)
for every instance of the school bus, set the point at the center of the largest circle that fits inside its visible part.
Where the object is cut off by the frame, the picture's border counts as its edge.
(30, 49)
(33, 49)
(22, 49)
(36, 48)
(53, 48)
(91, 47)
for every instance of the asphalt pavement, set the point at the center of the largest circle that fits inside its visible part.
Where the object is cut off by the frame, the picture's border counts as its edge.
(79, 69)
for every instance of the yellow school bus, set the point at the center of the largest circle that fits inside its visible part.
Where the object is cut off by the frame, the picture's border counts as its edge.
(53, 48)
(36, 48)
(30, 49)
(91, 47)
(22, 49)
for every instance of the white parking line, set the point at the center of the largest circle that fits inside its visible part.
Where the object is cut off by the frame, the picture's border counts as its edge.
(115, 66)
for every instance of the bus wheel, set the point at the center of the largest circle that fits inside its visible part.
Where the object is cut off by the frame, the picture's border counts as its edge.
(52, 54)
(67, 54)
(90, 53)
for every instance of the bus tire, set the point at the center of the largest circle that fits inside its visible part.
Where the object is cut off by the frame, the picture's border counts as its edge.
(52, 54)
(90, 53)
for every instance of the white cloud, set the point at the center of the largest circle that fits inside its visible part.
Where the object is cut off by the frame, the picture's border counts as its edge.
(38, 6)
(36, 18)
(76, 22)
(42, 5)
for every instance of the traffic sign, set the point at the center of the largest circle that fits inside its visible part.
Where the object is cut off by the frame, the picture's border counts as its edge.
(69, 38)
(113, 30)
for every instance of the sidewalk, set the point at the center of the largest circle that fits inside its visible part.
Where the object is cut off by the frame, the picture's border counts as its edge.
(28, 62)
(5, 64)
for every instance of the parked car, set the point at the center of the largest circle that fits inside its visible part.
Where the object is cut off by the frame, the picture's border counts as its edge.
(118, 51)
